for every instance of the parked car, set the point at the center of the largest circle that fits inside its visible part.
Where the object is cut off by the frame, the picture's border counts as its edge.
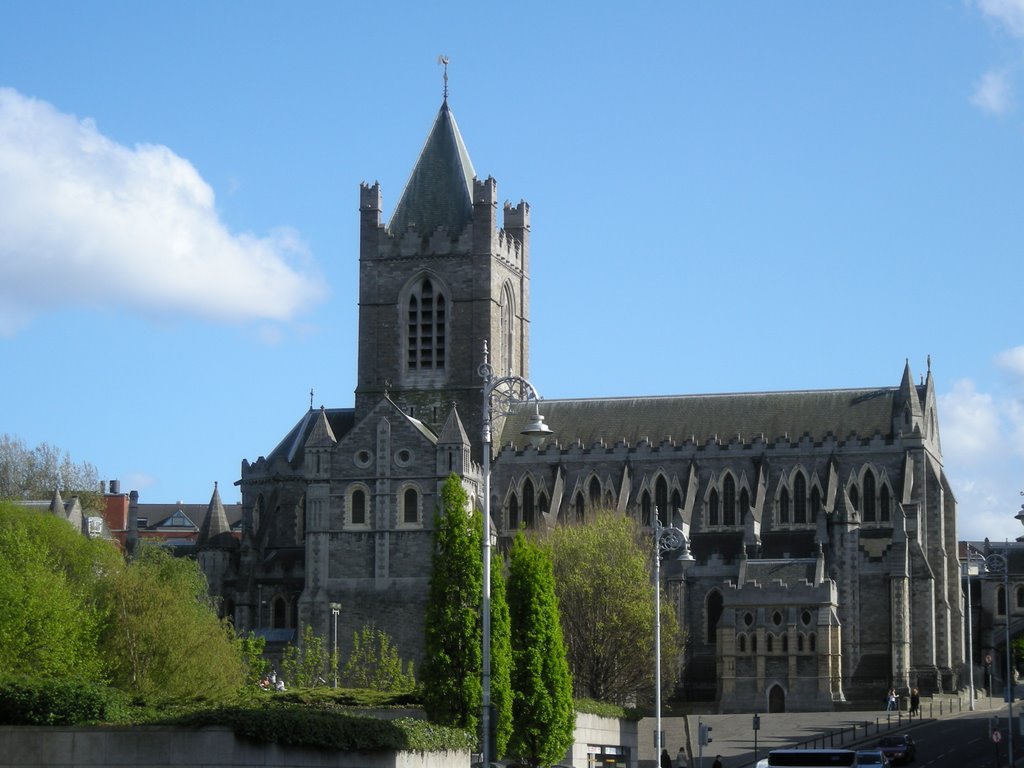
(875, 757)
(899, 749)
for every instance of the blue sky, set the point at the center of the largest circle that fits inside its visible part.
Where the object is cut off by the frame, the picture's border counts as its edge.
(725, 197)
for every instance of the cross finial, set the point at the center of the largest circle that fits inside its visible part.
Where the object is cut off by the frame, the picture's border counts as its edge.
(443, 61)
(311, 398)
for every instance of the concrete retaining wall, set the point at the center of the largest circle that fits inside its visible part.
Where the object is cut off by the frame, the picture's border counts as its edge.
(166, 747)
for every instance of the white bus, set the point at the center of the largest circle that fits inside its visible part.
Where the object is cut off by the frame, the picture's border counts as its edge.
(813, 758)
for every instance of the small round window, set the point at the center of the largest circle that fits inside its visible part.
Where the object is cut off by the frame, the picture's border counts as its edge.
(403, 457)
(363, 458)
(806, 617)
(776, 618)
(748, 619)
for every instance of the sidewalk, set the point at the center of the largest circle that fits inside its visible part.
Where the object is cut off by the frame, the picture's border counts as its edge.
(733, 736)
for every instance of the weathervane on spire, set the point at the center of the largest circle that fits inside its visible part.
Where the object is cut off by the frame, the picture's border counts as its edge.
(443, 61)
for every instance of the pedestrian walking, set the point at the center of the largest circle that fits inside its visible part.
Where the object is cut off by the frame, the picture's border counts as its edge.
(890, 700)
(666, 761)
(915, 702)
(681, 758)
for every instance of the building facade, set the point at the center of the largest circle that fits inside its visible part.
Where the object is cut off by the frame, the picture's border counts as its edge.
(820, 525)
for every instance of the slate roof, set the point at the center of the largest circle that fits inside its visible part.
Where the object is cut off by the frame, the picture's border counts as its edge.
(439, 192)
(216, 530)
(340, 421)
(841, 412)
(788, 571)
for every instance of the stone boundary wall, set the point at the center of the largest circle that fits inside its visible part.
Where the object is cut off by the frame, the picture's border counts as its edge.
(167, 747)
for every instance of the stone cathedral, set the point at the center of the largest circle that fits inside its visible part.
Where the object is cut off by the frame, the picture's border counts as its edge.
(820, 556)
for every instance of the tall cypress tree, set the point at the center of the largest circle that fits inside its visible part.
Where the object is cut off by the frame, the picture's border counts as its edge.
(450, 672)
(501, 660)
(542, 712)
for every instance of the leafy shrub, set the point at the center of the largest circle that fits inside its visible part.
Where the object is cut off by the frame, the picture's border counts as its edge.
(39, 701)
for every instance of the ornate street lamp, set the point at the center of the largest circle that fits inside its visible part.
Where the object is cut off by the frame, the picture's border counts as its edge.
(502, 396)
(665, 540)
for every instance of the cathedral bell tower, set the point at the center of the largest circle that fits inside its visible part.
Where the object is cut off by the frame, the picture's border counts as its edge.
(438, 281)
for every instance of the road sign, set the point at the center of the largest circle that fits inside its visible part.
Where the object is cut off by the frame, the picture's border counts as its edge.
(997, 736)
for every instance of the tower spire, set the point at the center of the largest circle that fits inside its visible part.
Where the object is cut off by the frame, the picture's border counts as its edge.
(443, 61)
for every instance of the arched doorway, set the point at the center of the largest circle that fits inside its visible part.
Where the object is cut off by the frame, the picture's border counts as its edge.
(776, 699)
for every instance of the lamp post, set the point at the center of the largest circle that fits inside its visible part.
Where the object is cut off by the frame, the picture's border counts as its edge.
(970, 627)
(502, 395)
(666, 538)
(335, 610)
(996, 564)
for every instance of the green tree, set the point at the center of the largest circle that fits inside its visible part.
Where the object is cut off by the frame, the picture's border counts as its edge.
(450, 672)
(603, 581)
(374, 663)
(305, 665)
(33, 473)
(163, 638)
(543, 712)
(49, 588)
(256, 664)
(501, 661)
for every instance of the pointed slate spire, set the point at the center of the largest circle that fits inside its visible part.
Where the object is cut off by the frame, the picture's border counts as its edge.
(57, 505)
(440, 190)
(453, 432)
(907, 411)
(321, 435)
(216, 532)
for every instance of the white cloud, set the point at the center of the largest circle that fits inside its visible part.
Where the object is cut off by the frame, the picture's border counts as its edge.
(1012, 361)
(970, 425)
(85, 221)
(992, 93)
(1007, 13)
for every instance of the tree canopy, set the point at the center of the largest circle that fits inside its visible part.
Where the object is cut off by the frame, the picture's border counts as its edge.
(34, 473)
(73, 607)
(603, 581)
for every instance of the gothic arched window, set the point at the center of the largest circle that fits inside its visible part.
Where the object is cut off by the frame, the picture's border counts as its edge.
(580, 507)
(884, 504)
(513, 513)
(784, 506)
(744, 506)
(426, 327)
(661, 500)
(528, 508)
(869, 496)
(357, 507)
(729, 501)
(854, 497)
(713, 508)
(799, 499)
(410, 506)
(508, 313)
(645, 508)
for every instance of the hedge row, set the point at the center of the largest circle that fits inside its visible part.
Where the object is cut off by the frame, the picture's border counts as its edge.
(36, 701)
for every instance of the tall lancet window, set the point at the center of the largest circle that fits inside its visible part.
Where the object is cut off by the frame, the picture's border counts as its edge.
(426, 327)
(508, 315)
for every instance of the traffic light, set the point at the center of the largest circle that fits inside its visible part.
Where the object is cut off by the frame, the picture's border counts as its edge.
(704, 733)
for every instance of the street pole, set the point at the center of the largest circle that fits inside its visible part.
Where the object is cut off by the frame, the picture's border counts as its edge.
(665, 539)
(995, 564)
(335, 610)
(970, 633)
(502, 395)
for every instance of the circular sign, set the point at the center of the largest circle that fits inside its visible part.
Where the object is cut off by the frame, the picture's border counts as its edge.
(997, 736)
(988, 658)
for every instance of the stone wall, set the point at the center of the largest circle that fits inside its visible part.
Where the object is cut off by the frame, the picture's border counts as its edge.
(164, 747)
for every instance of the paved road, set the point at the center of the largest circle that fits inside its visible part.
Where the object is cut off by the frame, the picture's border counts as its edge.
(733, 735)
